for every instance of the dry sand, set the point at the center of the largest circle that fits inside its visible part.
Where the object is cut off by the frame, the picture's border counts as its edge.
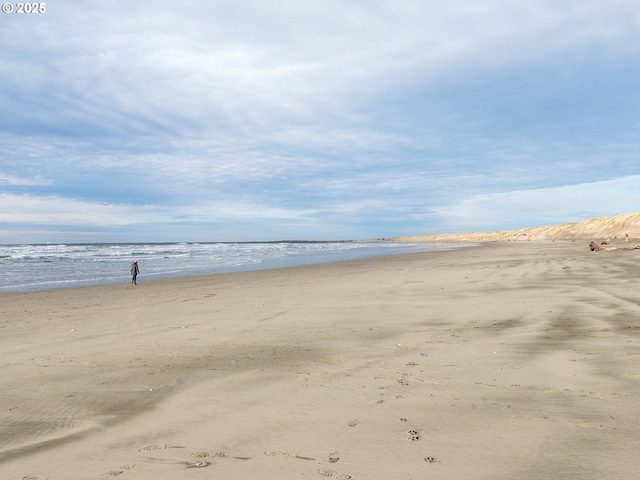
(509, 361)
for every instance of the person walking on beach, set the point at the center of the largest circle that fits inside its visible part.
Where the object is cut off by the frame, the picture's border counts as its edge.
(134, 272)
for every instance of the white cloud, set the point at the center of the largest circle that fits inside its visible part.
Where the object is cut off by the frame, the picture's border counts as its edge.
(549, 206)
(237, 210)
(55, 210)
(10, 180)
(301, 111)
(254, 64)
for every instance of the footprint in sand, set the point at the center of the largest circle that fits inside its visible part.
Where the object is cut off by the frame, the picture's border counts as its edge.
(151, 448)
(271, 453)
(200, 455)
(279, 454)
(327, 472)
(216, 455)
(197, 464)
(115, 473)
(334, 457)
(414, 435)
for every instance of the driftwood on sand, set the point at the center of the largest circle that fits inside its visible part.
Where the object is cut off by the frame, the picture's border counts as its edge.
(599, 248)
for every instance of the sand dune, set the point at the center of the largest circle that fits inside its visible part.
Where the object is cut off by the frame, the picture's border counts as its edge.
(615, 228)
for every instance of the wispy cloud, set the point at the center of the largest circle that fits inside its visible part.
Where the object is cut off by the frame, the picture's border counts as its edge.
(10, 180)
(375, 118)
(549, 206)
(54, 210)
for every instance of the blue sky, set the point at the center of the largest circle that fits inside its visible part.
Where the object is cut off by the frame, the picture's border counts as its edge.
(222, 121)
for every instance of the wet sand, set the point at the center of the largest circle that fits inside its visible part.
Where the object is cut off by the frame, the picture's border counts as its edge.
(512, 360)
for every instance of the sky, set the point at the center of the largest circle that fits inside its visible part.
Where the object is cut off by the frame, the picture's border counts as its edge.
(242, 120)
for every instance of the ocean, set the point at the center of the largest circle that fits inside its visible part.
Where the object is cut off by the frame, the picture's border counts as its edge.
(26, 268)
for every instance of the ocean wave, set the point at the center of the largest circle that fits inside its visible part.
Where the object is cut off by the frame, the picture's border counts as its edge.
(42, 267)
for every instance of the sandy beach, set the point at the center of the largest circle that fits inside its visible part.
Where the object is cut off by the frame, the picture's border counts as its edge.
(514, 360)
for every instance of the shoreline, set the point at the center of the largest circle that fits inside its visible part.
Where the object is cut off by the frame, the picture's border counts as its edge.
(509, 360)
(213, 278)
(108, 268)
